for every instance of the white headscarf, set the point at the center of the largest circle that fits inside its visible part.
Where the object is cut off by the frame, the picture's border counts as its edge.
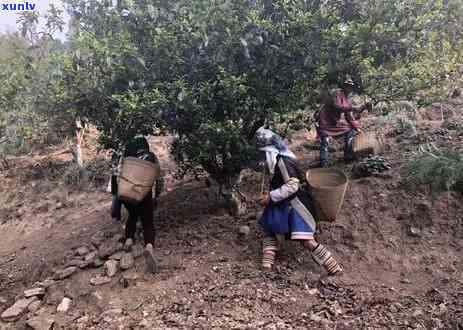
(273, 145)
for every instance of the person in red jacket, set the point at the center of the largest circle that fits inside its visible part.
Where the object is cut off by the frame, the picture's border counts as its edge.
(330, 124)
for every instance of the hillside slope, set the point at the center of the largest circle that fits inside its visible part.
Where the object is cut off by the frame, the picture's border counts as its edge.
(400, 248)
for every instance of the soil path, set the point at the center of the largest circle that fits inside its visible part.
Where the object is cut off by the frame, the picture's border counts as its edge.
(209, 275)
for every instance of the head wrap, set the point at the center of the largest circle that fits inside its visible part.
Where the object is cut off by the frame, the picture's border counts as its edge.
(273, 146)
(349, 82)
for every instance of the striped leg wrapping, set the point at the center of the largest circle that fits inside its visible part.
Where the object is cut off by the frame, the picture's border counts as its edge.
(268, 259)
(324, 258)
(269, 244)
(269, 249)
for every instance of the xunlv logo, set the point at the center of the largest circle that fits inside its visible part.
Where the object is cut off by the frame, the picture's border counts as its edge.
(17, 6)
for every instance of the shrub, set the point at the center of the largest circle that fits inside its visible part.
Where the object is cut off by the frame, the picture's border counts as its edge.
(371, 166)
(442, 169)
(404, 125)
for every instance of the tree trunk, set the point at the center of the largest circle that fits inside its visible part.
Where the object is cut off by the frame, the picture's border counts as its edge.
(234, 200)
(80, 131)
(4, 164)
(78, 156)
(3, 161)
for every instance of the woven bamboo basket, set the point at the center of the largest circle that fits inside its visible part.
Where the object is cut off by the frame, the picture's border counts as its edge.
(368, 143)
(328, 187)
(136, 179)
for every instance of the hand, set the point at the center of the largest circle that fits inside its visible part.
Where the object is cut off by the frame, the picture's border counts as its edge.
(293, 181)
(260, 167)
(264, 199)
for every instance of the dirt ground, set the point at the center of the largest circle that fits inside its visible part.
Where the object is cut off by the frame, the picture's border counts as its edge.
(401, 250)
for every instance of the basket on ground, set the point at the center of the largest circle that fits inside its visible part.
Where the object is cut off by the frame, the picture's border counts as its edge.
(368, 143)
(136, 178)
(328, 187)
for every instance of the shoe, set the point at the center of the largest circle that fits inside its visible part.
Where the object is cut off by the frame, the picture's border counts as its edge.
(128, 245)
(150, 262)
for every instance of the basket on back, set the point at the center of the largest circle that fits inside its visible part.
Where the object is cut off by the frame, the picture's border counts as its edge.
(136, 178)
(328, 187)
(368, 143)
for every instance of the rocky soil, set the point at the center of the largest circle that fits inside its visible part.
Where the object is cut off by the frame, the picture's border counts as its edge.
(62, 264)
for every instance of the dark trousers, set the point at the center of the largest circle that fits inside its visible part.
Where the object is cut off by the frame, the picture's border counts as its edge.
(116, 208)
(116, 204)
(348, 152)
(144, 211)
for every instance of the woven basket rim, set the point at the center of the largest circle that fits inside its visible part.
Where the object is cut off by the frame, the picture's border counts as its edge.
(327, 170)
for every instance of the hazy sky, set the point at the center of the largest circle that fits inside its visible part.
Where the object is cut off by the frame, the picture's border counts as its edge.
(8, 18)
